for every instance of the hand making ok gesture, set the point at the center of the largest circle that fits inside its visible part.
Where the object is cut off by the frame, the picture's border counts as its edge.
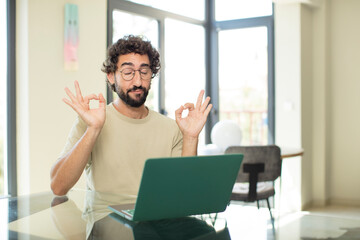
(94, 117)
(192, 124)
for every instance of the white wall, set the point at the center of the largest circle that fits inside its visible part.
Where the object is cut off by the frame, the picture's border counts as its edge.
(344, 103)
(288, 98)
(317, 71)
(321, 110)
(43, 120)
(307, 100)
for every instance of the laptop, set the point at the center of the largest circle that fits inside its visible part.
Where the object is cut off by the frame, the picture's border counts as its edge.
(182, 186)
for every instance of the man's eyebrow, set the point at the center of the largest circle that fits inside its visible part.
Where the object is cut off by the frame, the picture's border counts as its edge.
(131, 64)
(127, 64)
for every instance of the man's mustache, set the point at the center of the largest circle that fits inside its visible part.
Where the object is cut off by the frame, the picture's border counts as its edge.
(136, 88)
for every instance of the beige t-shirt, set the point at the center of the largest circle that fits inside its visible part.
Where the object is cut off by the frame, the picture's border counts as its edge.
(118, 157)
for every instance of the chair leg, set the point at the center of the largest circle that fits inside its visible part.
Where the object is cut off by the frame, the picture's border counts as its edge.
(272, 219)
(257, 202)
(213, 220)
(267, 200)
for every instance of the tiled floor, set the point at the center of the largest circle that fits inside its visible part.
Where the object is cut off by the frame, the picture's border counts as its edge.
(337, 211)
(332, 222)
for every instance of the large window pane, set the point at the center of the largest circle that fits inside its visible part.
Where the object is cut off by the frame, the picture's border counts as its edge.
(3, 108)
(243, 81)
(125, 23)
(184, 65)
(189, 8)
(237, 9)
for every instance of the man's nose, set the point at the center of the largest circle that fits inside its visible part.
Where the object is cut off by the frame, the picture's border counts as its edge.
(137, 78)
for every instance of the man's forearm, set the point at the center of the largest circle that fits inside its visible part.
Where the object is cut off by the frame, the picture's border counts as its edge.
(190, 145)
(67, 171)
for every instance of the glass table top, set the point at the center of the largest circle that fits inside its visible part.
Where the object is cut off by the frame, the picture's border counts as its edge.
(84, 215)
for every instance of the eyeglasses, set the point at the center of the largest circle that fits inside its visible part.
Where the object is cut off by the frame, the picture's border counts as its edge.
(128, 73)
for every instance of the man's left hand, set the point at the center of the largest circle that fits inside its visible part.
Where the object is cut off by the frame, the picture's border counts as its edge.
(193, 123)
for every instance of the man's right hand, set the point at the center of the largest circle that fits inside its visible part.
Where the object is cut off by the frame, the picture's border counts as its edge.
(94, 118)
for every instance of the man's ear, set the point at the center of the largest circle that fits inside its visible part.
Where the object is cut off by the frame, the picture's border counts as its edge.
(110, 77)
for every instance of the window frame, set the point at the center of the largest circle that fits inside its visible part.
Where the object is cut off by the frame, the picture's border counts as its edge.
(212, 27)
(11, 98)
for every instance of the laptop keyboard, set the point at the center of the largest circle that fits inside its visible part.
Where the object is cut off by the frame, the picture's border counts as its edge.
(130, 211)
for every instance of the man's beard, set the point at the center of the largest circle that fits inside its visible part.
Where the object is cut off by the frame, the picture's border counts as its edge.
(125, 97)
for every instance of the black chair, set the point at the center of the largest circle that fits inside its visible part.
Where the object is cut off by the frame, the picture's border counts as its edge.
(261, 166)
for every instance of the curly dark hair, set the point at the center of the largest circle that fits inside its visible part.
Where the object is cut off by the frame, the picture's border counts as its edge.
(131, 44)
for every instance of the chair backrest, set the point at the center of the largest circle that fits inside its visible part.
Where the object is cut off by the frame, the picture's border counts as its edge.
(270, 155)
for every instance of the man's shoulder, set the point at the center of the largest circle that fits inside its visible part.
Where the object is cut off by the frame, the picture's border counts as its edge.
(162, 119)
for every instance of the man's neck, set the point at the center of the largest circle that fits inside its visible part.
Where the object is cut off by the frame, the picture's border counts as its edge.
(131, 112)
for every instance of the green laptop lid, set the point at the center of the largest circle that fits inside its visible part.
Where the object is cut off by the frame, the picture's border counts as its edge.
(183, 186)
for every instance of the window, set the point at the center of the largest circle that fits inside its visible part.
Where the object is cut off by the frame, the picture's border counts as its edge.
(3, 107)
(243, 81)
(181, 77)
(246, 67)
(184, 65)
(224, 47)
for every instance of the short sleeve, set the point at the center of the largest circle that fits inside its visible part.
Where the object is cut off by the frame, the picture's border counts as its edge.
(177, 143)
(77, 131)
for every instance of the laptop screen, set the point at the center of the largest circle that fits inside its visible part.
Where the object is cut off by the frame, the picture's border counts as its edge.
(183, 186)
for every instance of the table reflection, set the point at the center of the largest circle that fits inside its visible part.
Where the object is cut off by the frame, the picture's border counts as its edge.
(95, 221)
(177, 229)
(66, 216)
